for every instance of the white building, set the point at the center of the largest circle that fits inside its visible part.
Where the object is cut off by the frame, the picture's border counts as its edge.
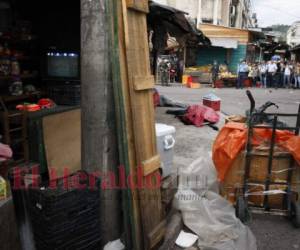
(230, 13)
(293, 34)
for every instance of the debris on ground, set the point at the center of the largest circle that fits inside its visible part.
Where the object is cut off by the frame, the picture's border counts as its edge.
(114, 245)
(186, 240)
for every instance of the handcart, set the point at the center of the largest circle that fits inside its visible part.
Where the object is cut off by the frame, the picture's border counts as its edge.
(290, 203)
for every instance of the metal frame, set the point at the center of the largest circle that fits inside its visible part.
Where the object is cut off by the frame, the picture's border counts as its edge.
(286, 208)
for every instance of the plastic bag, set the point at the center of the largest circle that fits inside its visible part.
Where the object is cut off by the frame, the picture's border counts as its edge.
(206, 213)
(232, 139)
(199, 176)
(213, 219)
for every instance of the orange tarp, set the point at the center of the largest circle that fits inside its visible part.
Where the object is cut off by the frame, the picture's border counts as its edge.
(232, 140)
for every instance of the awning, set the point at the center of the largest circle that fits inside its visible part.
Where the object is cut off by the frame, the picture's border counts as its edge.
(227, 43)
(165, 20)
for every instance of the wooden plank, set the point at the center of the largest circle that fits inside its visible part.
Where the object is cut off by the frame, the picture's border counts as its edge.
(138, 5)
(175, 225)
(143, 82)
(151, 165)
(157, 234)
(62, 138)
(132, 223)
(134, 61)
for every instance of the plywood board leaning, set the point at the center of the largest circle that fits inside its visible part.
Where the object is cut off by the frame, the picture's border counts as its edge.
(62, 138)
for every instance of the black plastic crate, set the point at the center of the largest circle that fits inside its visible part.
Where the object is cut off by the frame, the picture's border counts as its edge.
(65, 218)
(65, 94)
(51, 200)
(69, 235)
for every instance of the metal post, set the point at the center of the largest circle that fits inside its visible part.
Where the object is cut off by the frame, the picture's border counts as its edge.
(270, 163)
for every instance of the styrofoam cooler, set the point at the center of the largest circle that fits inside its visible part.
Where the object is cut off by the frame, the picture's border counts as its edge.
(165, 136)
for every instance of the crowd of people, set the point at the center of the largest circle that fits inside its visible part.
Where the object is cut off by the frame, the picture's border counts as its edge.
(271, 74)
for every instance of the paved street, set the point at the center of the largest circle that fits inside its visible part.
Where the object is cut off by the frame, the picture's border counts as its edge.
(235, 101)
(274, 233)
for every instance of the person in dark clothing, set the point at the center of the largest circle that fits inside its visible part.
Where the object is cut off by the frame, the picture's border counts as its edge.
(278, 77)
(215, 71)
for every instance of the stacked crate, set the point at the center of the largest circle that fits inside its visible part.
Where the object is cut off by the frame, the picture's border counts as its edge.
(65, 217)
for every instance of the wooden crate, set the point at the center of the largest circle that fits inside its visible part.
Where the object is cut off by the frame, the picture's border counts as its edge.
(258, 173)
(276, 200)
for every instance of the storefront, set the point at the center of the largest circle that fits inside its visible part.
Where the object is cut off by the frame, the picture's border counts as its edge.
(229, 47)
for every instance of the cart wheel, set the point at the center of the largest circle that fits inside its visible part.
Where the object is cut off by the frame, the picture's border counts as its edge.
(295, 214)
(241, 209)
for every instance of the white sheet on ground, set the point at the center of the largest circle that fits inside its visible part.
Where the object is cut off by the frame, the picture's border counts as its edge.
(207, 214)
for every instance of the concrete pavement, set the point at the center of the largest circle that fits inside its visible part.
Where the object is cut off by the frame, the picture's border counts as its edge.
(235, 101)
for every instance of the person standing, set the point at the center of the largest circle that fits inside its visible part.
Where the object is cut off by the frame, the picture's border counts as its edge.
(255, 74)
(164, 68)
(263, 73)
(215, 72)
(287, 75)
(243, 71)
(297, 75)
(278, 74)
(271, 69)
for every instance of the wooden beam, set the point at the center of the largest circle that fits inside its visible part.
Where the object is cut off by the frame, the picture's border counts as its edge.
(138, 5)
(151, 165)
(143, 82)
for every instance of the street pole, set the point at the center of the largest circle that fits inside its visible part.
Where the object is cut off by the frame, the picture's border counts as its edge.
(99, 142)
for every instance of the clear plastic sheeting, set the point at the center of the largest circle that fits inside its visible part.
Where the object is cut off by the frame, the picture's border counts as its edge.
(206, 213)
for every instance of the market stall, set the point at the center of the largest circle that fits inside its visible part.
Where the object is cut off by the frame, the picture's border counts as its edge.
(39, 80)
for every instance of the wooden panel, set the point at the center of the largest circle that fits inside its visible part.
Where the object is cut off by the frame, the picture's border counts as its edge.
(151, 165)
(143, 83)
(139, 109)
(138, 5)
(62, 138)
(127, 152)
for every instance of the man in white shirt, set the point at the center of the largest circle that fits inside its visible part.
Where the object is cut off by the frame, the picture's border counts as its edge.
(243, 71)
(271, 69)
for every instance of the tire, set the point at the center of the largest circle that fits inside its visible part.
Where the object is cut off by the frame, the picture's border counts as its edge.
(241, 209)
(295, 214)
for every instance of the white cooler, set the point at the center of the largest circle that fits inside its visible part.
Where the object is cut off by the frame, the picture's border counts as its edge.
(165, 137)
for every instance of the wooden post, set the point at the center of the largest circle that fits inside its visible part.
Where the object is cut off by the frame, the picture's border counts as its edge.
(99, 142)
